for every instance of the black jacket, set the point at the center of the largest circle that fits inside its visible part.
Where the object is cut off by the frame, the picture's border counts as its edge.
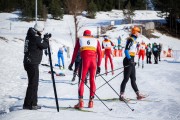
(159, 48)
(33, 47)
(78, 57)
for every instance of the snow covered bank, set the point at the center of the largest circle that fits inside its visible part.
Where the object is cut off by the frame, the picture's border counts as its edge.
(160, 82)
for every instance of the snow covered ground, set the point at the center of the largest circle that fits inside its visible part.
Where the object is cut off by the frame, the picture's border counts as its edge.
(159, 81)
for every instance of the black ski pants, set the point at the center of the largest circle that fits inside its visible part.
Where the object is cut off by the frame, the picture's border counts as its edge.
(32, 88)
(77, 64)
(148, 57)
(159, 55)
(129, 72)
(155, 57)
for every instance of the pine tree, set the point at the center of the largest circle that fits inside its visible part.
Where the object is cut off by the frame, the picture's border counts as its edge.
(111, 4)
(98, 4)
(128, 12)
(40, 9)
(171, 10)
(92, 9)
(56, 10)
(28, 9)
(140, 5)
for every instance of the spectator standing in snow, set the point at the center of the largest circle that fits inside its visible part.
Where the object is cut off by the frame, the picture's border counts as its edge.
(142, 51)
(155, 53)
(90, 51)
(107, 45)
(60, 57)
(137, 47)
(33, 51)
(129, 65)
(159, 51)
(148, 53)
(119, 40)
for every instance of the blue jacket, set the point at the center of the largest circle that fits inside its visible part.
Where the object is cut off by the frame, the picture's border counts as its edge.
(60, 52)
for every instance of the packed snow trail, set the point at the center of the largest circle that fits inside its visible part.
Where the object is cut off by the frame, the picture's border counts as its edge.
(160, 86)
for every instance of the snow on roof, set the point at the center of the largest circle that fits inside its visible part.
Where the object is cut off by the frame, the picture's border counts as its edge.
(139, 15)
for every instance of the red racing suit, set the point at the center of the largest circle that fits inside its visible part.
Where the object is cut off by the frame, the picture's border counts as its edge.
(90, 51)
(142, 50)
(107, 45)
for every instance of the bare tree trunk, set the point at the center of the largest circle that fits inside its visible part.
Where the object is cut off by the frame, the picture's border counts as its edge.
(76, 7)
(76, 27)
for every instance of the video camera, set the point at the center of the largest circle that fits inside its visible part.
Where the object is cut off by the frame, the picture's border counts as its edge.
(47, 35)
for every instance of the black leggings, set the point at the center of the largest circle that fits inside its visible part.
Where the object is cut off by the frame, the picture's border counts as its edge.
(129, 72)
(148, 57)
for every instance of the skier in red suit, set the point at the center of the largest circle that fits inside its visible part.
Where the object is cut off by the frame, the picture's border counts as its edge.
(107, 45)
(90, 51)
(142, 51)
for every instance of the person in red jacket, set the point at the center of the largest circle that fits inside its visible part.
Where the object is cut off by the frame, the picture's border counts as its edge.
(90, 51)
(107, 45)
(141, 53)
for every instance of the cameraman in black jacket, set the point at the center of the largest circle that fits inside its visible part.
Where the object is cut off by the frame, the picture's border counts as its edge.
(33, 51)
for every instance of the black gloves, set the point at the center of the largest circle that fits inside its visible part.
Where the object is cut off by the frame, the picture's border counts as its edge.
(98, 70)
(46, 52)
(131, 62)
(47, 36)
(38, 33)
(70, 67)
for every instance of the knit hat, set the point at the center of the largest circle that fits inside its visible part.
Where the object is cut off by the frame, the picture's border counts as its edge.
(105, 37)
(87, 33)
(38, 27)
(135, 30)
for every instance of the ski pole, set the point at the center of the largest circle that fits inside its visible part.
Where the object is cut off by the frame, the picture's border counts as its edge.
(113, 77)
(110, 109)
(109, 80)
(52, 76)
(111, 71)
(117, 93)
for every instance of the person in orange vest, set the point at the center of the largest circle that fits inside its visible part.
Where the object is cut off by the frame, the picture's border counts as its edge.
(129, 65)
(107, 45)
(90, 51)
(142, 51)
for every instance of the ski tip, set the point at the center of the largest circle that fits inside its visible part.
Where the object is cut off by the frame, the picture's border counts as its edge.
(132, 109)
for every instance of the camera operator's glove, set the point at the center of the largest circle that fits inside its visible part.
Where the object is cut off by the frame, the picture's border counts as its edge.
(46, 37)
(98, 70)
(46, 52)
(39, 33)
(70, 67)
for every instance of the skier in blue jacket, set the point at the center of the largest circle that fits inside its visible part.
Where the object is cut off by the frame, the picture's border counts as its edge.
(60, 56)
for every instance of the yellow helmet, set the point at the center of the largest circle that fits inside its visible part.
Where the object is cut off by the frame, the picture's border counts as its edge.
(135, 29)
